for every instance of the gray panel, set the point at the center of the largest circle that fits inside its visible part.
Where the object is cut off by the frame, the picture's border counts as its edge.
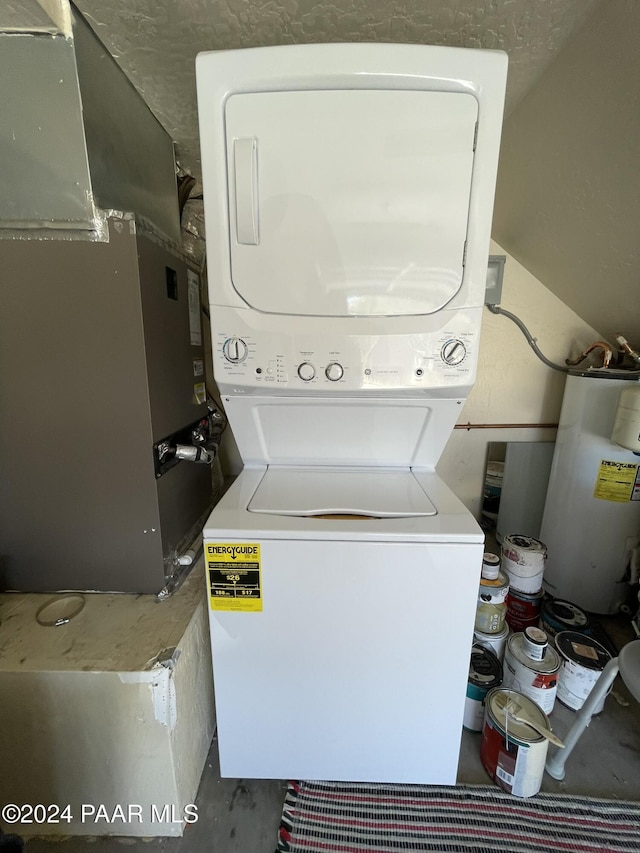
(78, 484)
(184, 499)
(25, 16)
(130, 154)
(45, 174)
(524, 488)
(80, 504)
(184, 492)
(74, 131)
(170, 354)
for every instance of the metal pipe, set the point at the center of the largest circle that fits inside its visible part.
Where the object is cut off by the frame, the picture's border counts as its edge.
(496, 309)
(625, 347)
(607, 354)
(469, 426)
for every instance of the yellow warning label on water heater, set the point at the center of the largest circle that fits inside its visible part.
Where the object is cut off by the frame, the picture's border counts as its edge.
(616, 481)
(234, 576)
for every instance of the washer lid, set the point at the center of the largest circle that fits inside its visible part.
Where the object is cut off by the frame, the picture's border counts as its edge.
(321, 492)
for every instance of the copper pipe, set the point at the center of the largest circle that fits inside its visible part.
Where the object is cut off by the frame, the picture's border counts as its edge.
(505, 426)
(607, 352)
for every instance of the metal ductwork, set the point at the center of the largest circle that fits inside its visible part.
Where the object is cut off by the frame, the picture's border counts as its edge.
(76, 138)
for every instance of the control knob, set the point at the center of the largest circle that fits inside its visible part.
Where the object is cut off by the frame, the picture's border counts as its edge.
(306, 371)
(334, 371)
(453, 352)
(235, 350)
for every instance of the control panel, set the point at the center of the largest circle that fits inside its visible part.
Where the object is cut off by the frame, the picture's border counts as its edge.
(334, 371)
(249, 359)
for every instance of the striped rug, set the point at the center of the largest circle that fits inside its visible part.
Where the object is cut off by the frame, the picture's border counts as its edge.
(326, 817)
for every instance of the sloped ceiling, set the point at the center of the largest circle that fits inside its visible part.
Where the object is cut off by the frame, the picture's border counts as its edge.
(568, 194)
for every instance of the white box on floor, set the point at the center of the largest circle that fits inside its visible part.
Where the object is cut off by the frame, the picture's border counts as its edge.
(111, 715)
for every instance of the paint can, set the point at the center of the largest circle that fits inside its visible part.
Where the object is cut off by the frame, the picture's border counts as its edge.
(493, 487)
(512, 752)
(558, 615)
(532, 671)
(494, 642)
(491, 610)
(523, 559)
(485, 673)
(523, 610)
(582, 662)
(490, 565)
(493, 478)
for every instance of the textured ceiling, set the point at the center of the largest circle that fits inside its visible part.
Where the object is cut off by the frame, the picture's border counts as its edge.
(156, 41)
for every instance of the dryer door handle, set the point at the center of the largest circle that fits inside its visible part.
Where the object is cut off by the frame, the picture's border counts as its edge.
(245, 159)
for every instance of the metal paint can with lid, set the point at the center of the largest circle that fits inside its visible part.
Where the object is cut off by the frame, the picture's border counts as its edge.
(523, 610)
(523, 559)
(485, 673)
(496, 643)
(533, 672)
(512, 752)
(582, 662)
(558, 615)
(491, 610)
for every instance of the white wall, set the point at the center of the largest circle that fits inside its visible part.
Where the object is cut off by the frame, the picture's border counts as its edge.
(513, 386)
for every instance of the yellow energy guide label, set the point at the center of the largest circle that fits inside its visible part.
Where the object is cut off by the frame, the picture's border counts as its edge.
(617, 481)
(234, 576)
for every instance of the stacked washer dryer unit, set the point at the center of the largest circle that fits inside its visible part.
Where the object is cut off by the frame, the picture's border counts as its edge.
(348, 196)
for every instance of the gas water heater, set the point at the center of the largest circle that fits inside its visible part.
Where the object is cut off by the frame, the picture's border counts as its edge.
(591, 521)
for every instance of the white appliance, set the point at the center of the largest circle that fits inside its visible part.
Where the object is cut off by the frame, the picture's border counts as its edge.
(591, 521)
(348, 195)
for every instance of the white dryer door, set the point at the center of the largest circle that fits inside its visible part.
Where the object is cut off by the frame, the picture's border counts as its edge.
(314, 492)
(349, 202)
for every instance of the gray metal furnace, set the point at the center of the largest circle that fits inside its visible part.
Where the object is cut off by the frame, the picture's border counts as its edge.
(101, 377)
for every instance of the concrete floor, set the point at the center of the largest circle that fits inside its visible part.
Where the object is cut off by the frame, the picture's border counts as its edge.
(242, 816)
